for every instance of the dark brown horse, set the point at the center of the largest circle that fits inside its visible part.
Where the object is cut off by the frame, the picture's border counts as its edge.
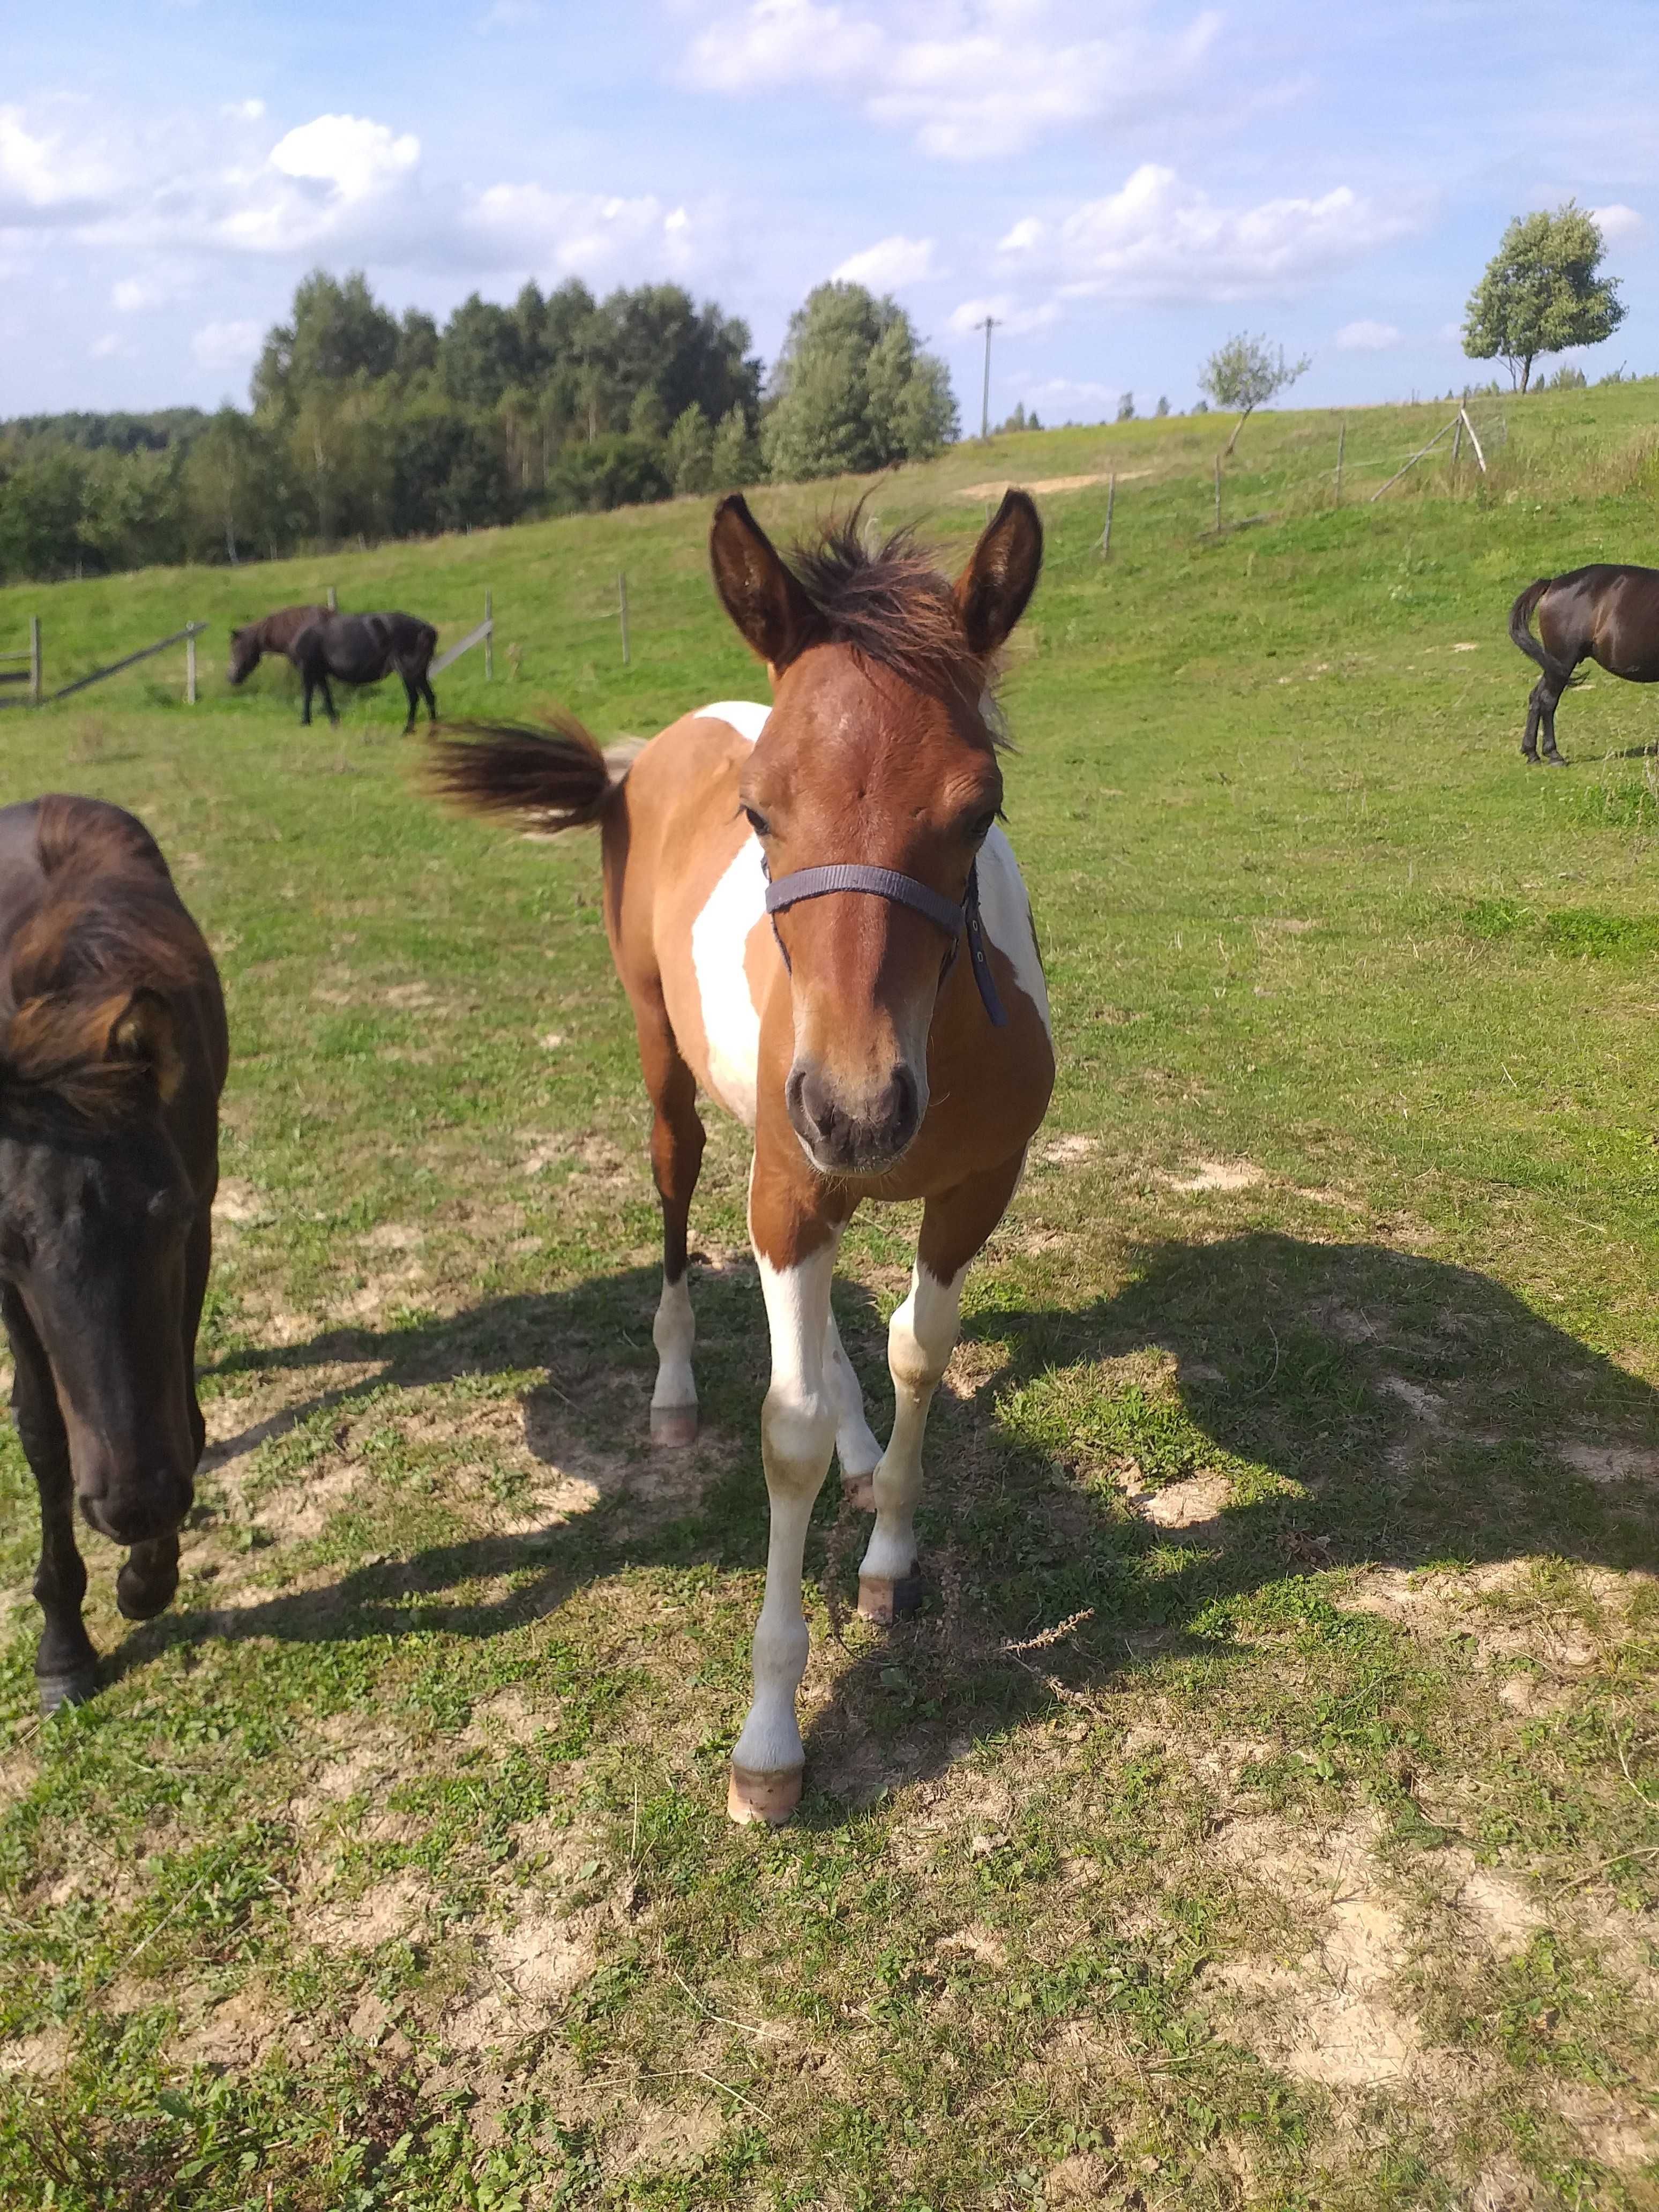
(274, 634)
(1603, 613)
(365, 649)
(112, 1055)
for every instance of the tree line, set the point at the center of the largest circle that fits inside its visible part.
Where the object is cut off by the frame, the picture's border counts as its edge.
(363, 425)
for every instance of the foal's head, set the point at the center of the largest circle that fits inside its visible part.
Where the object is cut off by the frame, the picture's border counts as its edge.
(880, 749)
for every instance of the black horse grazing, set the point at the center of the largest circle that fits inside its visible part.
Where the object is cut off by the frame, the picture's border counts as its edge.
(273, 633)
(1606, 614)
(112, 1055)
(363, 649)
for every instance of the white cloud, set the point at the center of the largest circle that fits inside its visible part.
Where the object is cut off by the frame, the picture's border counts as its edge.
(1367, 337)
(565, 233)
(1161, 240)
(102, 348)
(243, 111)
(226, 345)
(1012, 320)
(1618, 221)
(42, 177)
(135, 295)
(888, 264)
(347, 152)
(1073, 396)
(972, 80)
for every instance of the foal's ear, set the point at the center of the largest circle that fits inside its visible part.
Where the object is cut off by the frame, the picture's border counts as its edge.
(993, 590)
(145, 1033)
(773, 614)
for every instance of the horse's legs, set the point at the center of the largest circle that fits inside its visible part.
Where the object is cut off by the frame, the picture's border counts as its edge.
(328, 698)
(796, 1255)
(413, 692)
(65, 1665)
(1550, 700)
(431, 703)
(919, 1341)
(676, 1142)
(855, 1447)
(149, 1575)
(310, 683)
(1534, 718)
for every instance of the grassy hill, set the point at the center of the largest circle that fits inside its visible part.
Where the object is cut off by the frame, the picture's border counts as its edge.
(1315, 1365)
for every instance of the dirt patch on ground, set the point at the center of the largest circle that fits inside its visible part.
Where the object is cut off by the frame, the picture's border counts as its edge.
(1065, 1152)
(1503, 1610)
(39, 2056)
(1607, 1463)
(380, 1914)
(666, 2135)
(233, 2035)
(1196, 1503)
(1038, 486)
(1217, 1175)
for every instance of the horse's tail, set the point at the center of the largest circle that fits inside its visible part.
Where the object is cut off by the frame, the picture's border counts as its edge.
(1521, 628)
(556, 778)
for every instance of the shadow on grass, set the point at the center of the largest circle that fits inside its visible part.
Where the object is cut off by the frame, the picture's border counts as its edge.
(1365, 1405)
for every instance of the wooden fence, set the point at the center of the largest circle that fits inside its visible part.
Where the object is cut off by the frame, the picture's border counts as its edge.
(29, 673)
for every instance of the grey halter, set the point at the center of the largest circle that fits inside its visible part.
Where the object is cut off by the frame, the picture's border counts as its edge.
(903, 890)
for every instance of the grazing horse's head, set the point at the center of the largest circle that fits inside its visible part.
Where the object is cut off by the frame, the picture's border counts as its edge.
(880, 749)
(96, 1206)
(244, 650)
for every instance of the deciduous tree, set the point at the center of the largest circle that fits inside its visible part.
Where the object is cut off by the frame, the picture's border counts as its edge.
(1542, 290)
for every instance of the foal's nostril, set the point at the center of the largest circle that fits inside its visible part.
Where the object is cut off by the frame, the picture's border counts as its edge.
(898, 1116)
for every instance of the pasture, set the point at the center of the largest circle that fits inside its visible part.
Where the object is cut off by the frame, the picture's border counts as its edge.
(1264, 1811)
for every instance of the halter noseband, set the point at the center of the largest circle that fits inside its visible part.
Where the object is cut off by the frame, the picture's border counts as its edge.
(903, 890)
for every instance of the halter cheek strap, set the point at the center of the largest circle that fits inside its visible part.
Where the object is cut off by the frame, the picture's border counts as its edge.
(956, 921)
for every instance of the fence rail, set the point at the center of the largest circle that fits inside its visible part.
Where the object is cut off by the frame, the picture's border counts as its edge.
(187, 637)
(29, 673)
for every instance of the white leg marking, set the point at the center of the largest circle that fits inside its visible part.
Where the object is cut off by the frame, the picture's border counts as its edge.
(674, 1333)
(798, 1430)
(921, 1339)
(855, 1444)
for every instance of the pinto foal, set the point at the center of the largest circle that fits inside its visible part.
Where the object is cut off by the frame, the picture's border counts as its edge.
(819, 923)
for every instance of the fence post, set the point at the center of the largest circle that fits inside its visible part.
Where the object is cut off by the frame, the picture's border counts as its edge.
(333, 601)
(35, 661)
(1106, 534)
(189, 670)
(622, 610)
(1342, 440)
(1217, 494)
(1457, 439)
(489, 638)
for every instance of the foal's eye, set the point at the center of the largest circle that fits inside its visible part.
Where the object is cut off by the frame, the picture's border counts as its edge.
(982, 826)
(757, 822)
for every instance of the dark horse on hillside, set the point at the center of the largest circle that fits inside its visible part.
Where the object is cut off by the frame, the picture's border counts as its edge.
(1603, 613)
(112, 1055)
(352, 649)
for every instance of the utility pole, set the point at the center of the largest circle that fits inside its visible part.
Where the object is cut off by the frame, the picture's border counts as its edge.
(988, 326)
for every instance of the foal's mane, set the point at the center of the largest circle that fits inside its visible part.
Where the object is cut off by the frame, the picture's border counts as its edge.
(107, 923)
(886, 599)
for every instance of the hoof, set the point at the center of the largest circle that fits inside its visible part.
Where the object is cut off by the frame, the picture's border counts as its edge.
(673, 1427)
(768, 1797)
(138, 1600)
(1554, 760)
(888, 1597)
(57, 1691)
(858, 1491)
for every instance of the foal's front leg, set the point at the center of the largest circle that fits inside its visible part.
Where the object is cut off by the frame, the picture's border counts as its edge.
(921, 1339)
(65, 1665)
(798, 1433)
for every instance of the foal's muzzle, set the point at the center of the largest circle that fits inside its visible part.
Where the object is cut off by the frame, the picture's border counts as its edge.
(844, 1135)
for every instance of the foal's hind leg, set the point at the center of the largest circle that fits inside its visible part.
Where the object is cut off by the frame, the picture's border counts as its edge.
(919, 1341)
(414, 702)
(1534, 714)
(676, 1143)
(1550, 700)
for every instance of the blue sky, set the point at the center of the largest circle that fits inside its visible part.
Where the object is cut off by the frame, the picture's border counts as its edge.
(1122, 183)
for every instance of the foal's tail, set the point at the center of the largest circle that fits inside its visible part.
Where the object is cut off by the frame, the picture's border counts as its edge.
(556, 778)
(1521, 628)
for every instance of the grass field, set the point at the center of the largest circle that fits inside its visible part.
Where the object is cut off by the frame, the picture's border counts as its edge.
(1317, 1863)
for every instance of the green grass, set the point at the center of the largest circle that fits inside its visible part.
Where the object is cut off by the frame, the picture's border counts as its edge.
(1317, 1862)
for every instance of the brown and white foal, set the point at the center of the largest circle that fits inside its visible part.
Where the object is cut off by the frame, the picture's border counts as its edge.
(820, 924)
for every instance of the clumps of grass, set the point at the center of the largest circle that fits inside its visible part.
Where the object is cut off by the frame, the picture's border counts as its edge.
(1574, 932)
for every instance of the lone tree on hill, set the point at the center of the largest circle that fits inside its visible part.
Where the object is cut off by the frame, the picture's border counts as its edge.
(1247, 373)
(1541, 292)
(853, 389)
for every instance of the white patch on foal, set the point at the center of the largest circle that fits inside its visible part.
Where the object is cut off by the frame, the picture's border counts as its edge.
(720, 939)
(1006, 911)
